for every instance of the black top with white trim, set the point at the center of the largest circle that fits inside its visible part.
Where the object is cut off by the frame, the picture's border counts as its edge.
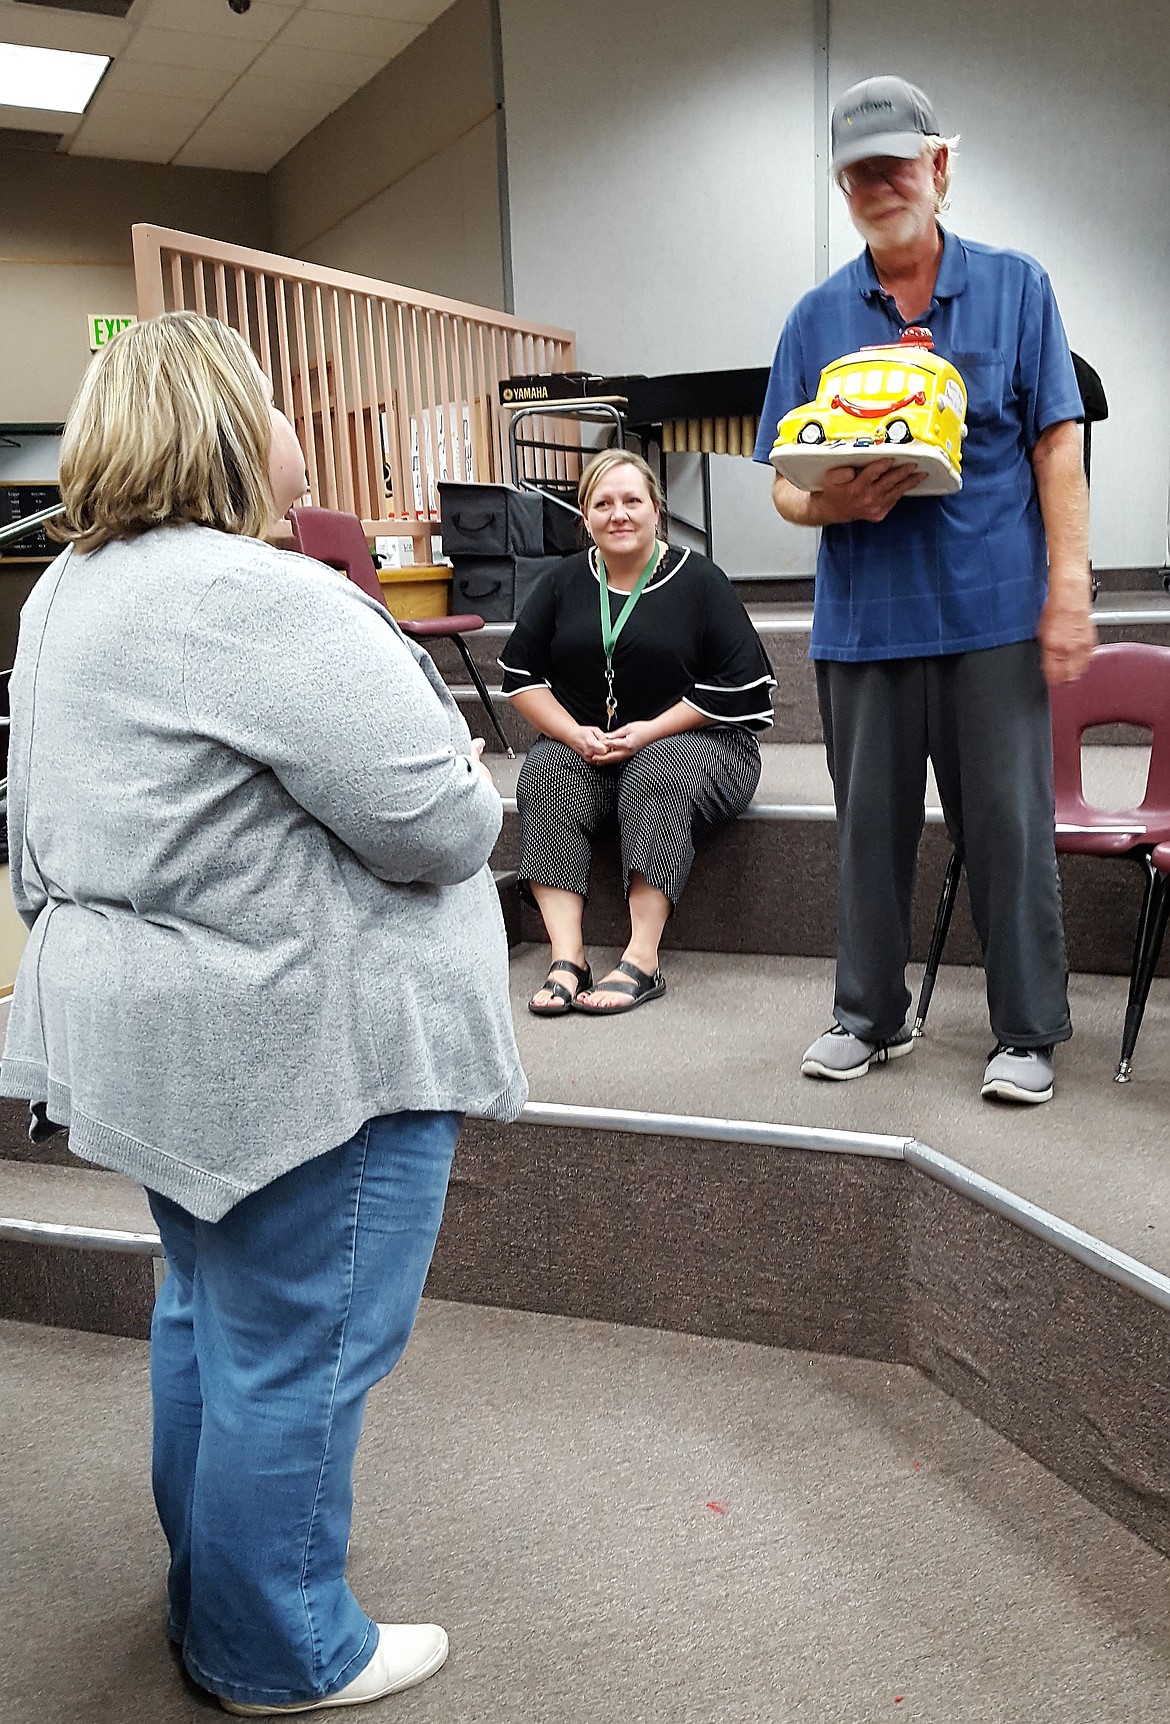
(688, 638)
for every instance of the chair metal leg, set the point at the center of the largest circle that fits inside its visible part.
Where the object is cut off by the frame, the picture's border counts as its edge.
(1146, 952)
(485, 697)
(942, 922)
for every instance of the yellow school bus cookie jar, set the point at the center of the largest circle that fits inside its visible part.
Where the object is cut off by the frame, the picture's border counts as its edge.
(900, 401)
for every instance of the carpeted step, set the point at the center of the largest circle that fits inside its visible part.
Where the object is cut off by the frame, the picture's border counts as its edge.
(764, 589)
(726, 1041)
(785, 639)
(767, 883)
(641, 1187)
(1145, 580)
(784, 630)
(83, 1259)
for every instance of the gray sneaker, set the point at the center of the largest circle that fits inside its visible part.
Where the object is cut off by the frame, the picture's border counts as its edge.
(841, 1055)
(1018, 1074)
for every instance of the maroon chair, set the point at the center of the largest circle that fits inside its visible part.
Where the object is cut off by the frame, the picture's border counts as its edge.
(339, 540)
(1155, 930)
(1126, 683)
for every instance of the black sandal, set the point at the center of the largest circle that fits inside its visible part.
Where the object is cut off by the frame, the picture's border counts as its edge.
(562, 1000)
(640, 988)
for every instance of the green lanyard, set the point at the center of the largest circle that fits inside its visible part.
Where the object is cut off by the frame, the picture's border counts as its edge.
(610, 630)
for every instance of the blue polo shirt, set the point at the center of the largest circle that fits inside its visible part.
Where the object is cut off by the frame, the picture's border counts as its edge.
(939, 574)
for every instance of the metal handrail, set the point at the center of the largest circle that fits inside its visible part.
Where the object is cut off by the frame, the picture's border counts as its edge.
(18, 529)
(16, 1228)
(1105, 1259)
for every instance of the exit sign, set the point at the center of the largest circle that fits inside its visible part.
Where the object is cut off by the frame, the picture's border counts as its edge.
(104, 329)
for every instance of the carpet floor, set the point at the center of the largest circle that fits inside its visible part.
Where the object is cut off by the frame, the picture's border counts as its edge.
(616, 1526)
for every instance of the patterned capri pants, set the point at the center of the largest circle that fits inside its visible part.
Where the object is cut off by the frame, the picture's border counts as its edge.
(676, 790)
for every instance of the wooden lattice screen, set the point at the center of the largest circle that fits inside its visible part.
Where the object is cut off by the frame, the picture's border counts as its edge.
(390, 390)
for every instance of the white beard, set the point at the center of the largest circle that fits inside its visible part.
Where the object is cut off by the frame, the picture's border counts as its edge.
(894, 233)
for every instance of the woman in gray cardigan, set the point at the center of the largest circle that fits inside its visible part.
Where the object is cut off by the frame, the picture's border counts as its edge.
(266, 975)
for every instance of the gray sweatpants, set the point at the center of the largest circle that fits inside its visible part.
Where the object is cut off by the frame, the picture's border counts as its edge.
(983, 719)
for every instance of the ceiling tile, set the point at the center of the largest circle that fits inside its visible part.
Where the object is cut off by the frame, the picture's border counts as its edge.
(182, 48)
(405, 11)
(145, 77)
(262, 105)
(262, 118)
(268, 103)
(216, 18)
(380, 37)
(121, 149)
(194, 82)
(245, 157)
(139, 111)
(39, 120)
(318, 66)
(154, 140)
(219, 144)
(29, 27)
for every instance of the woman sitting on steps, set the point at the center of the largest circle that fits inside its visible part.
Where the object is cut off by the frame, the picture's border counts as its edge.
(639, 666)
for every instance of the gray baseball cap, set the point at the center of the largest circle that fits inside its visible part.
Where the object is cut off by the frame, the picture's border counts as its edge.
(883, 116)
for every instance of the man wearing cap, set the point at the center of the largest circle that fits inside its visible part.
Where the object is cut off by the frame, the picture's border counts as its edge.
(939, 621)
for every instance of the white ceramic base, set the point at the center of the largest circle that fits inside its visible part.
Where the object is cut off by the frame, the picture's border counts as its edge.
(807, 463)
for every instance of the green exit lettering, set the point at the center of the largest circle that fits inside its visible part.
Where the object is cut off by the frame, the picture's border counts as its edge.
(102, 330)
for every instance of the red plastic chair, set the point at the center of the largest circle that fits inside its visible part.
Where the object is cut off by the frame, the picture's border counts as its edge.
(339, 540)
(1126, 683)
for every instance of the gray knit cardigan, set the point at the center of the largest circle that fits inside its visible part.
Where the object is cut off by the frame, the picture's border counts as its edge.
(252, 849)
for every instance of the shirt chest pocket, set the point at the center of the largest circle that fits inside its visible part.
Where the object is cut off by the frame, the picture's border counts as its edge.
(985, 377)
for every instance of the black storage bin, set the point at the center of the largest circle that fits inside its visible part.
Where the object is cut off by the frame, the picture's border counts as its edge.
(564, 530)
(496, 588)
(530, 571)
(490, 521)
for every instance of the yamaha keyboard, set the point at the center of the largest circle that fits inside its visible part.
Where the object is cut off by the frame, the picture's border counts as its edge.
(687, 412)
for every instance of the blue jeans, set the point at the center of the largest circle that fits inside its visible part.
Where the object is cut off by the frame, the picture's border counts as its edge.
(269, 1330)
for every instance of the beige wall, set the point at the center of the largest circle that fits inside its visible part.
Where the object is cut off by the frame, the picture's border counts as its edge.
(13, 937)
(714, 122)
(402, 182)
(1065, 154)
(65, 251)
(662, 203)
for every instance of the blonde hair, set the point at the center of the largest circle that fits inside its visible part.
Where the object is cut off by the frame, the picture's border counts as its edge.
(930, 143)
(605, 463)
(171, 424)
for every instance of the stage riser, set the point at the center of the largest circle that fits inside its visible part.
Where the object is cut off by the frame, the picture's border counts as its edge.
(673, 1233)
(1144, 580)
(794, 704)
(1069, 1365)
(794, 699)
(787, 652)
(778, 590)
(769, 886)
(824, 1253)
(104, 1292)
(785, 648)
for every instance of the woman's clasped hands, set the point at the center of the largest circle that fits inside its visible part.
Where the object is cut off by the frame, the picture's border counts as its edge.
(611, 747)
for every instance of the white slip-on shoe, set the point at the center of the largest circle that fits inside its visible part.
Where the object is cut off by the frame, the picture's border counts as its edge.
(1018, 1074)
(841, 1055)
(406, 1654)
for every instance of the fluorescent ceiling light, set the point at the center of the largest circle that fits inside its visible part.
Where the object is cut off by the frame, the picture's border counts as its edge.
(48, 78)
